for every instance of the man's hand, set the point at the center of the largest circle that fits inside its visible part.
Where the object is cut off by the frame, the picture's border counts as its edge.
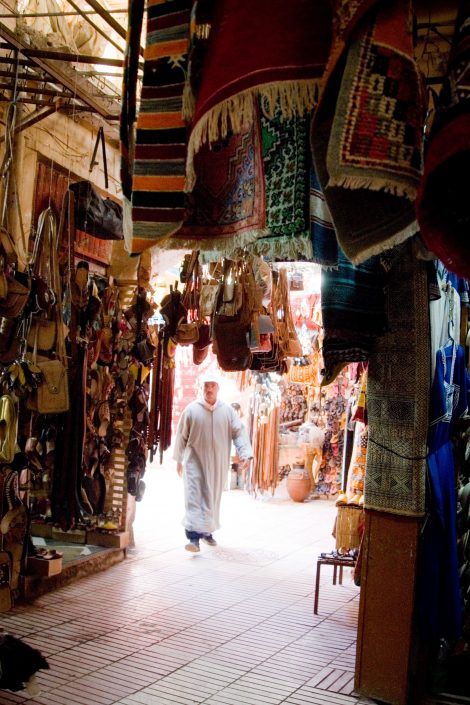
(179, 469)
(244, 464)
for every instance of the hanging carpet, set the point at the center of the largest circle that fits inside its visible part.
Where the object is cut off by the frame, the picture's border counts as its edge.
(367, 131)
(398, 394)
(443, 203)
(269, 48)
(285, 146)
(226, 209)
(153, 174)
(353, 313)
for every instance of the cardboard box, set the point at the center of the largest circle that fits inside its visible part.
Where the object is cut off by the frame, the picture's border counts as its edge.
(44, 567)
(119, 539)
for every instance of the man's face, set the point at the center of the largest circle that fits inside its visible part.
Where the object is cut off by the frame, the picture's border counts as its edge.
(210, 392)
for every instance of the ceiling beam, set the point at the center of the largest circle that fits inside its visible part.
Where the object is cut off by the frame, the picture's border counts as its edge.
(20, 15)
(110, 20)
(66, 56)
(96, 27)
(79, 86)
(34, 118)
(35, 89)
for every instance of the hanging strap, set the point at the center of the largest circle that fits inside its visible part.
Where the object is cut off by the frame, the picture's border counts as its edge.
(93, 162)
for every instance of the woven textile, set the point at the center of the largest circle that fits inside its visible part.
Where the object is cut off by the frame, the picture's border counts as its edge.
(398, 395)
(268, 47)
(353, 313)
(322, 232)
(285, 157)
(443, 204)
(367, 137)
(158, 167)
(226, 209)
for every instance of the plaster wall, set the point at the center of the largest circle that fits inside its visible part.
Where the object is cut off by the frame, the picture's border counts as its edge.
(67, 143)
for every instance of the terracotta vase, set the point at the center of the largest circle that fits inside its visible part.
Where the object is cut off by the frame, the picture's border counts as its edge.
(299, 484)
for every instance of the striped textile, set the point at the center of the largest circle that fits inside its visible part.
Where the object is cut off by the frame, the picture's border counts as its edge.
(158, 168)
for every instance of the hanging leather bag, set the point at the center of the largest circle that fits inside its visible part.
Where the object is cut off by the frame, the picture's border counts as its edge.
(52, 395)
(94, 215)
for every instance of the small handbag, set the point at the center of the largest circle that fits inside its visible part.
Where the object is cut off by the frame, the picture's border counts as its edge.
(42, 334)
(187, 333)
(53, 392)
(18, 294)
(208, 299)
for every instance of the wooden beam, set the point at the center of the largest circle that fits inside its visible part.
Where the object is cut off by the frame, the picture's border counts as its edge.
(110, 20)
(67, 77)
(35, 90)
(36, 117)
(66, 56)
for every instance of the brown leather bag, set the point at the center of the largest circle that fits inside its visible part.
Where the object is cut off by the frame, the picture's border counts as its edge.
(53, 392)
(231, 344)
(18, 294)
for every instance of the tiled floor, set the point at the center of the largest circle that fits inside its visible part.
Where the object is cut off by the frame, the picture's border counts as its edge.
(233, 625)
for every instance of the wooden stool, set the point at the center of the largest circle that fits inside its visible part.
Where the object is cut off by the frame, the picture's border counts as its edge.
(337, 562)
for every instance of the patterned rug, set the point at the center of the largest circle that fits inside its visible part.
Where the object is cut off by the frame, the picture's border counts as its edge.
(226, 209)
(285, 148)
(268, 47)
(367, 137)
(158, 167)
(398, 395)
(353, 313)
(443, 209)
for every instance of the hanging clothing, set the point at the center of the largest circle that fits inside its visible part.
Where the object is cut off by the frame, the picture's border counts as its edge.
(438, 590)
(444, 319)
(203, 443)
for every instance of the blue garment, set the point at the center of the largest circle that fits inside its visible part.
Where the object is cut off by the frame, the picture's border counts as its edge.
(439, 599)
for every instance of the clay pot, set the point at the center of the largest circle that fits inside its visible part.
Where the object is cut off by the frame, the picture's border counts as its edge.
(299, 484)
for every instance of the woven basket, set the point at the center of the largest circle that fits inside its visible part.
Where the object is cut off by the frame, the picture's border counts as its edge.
(347, 527)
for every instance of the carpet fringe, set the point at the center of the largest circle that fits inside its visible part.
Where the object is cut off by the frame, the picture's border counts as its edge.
(374, 184)
(293, 98)
(377, 249)
(256, 242)
(225, 247)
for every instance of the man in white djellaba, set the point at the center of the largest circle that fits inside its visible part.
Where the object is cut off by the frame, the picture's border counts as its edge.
(202, 448)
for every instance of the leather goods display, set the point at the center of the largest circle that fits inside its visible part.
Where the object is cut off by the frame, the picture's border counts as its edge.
(94, 215)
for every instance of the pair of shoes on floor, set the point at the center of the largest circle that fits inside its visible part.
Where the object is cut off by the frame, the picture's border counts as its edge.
(210, 540)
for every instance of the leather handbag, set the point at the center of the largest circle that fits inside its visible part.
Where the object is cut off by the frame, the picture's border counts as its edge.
(208, 299)
(42, 334)
(53, 392)
(187, 333)
(17, 296)
(231, 344)
(94, 215)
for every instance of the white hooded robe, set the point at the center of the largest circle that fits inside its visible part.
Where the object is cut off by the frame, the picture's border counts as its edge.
(203, 443)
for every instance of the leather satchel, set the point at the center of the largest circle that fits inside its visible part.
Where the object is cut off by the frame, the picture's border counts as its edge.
(53, 392)
(97, 216)
(231, 344)
(42, 334)
(208, 299)
(18, 294)
(187, 333)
